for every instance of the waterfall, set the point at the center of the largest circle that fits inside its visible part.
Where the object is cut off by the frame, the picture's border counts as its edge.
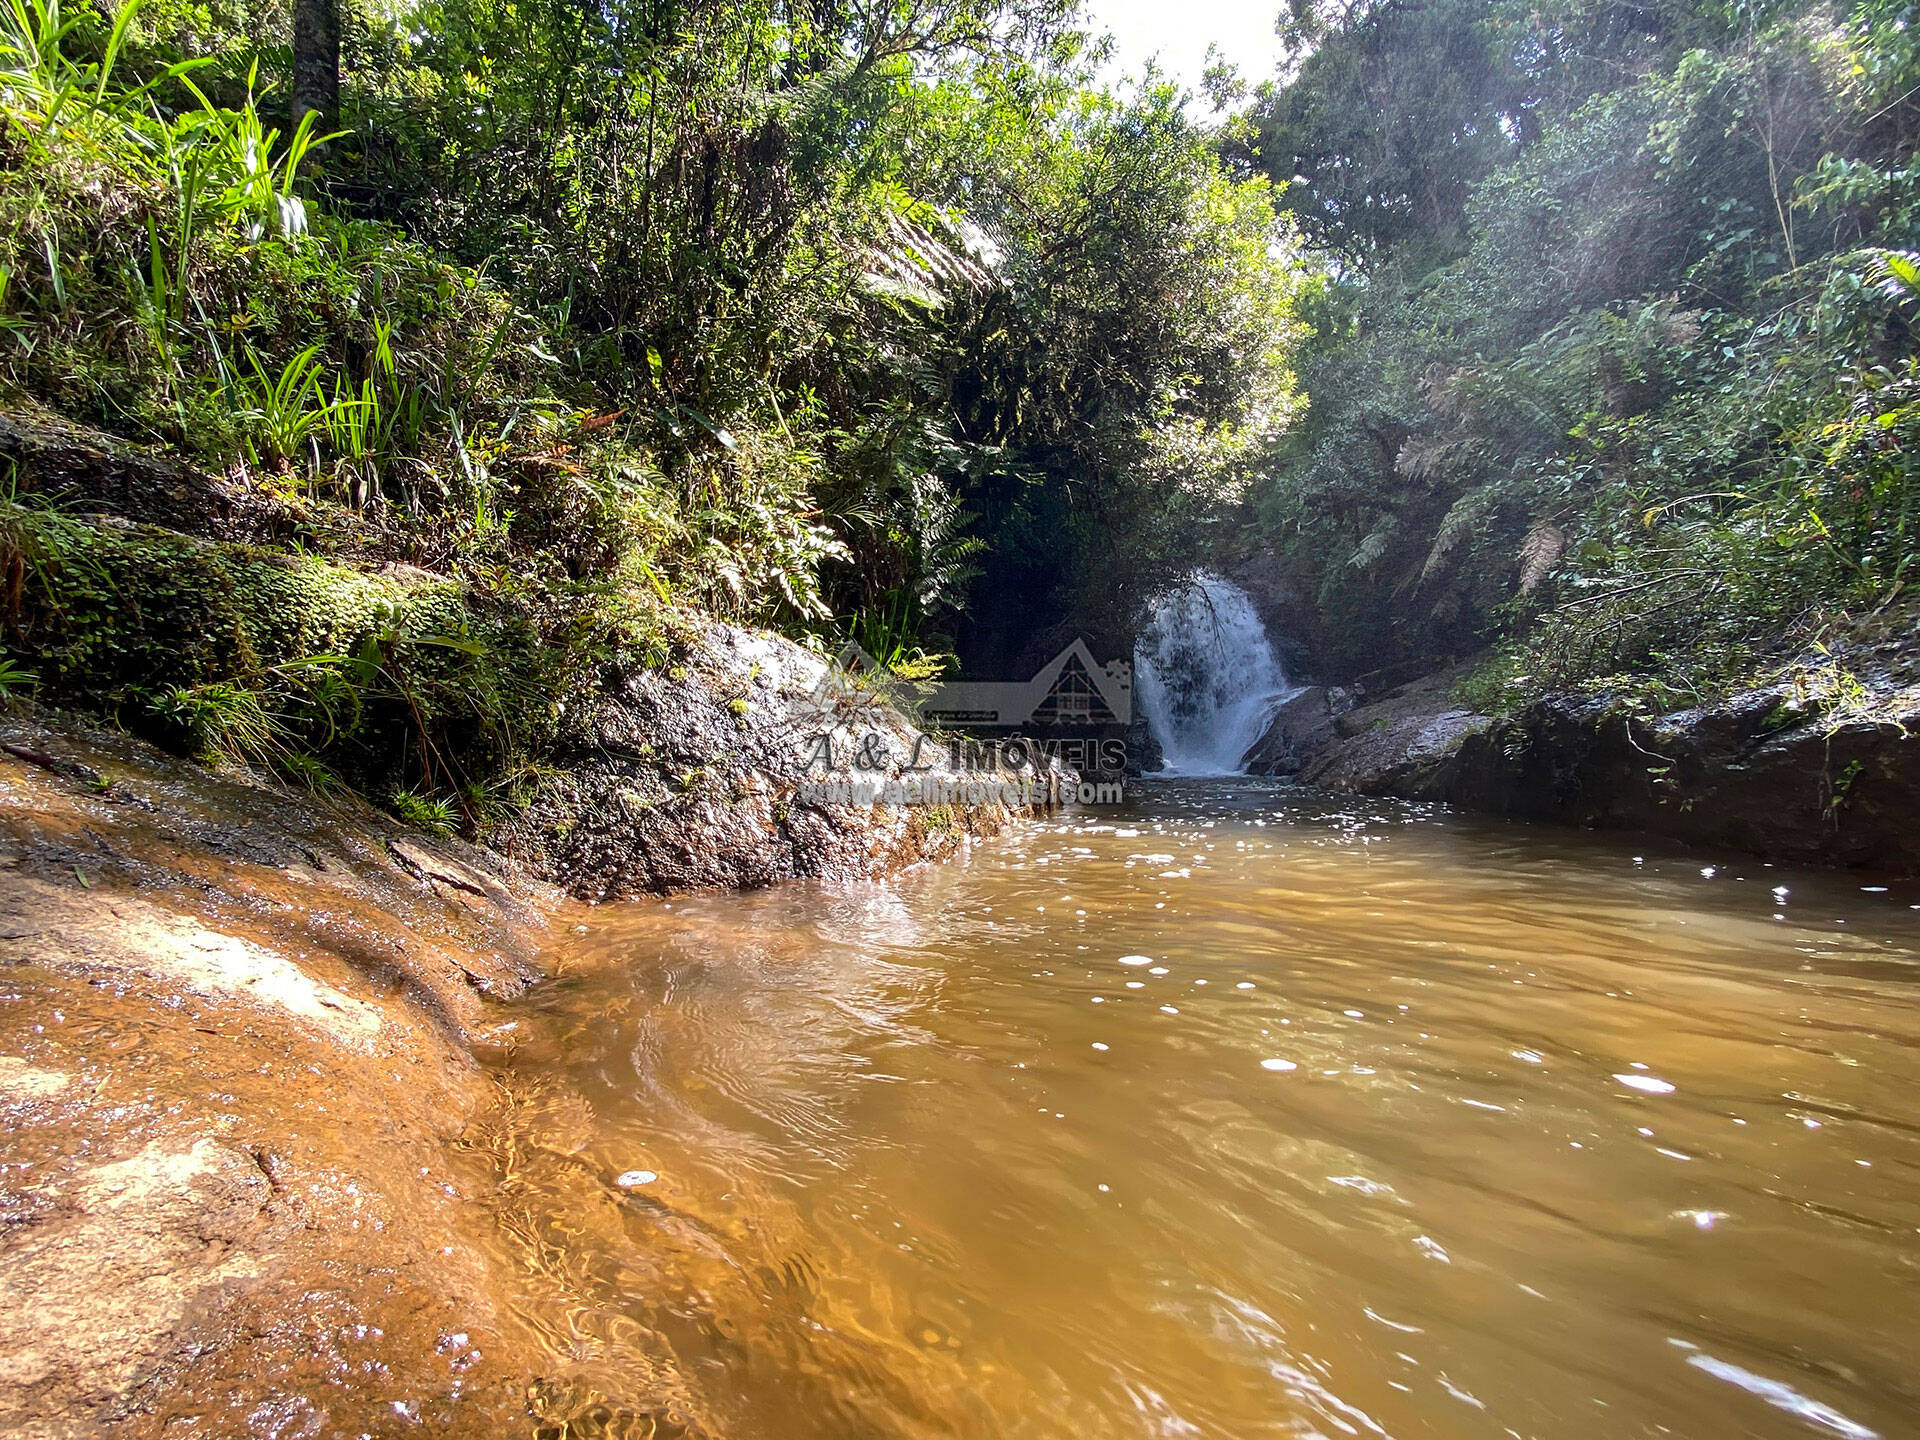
(1205, 677)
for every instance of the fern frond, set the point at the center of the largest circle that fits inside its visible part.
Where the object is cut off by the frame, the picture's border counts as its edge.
(1457, 524)
(1421, 456)
(1367, 554)
(1539, 553)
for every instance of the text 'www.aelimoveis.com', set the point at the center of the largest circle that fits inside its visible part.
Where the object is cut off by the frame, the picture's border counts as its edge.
(956, 790)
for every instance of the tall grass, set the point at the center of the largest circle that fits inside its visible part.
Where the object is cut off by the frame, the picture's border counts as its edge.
(225, 167)
(224, 176)
(161, 276)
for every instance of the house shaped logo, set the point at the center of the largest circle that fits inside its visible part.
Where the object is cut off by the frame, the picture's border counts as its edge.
(1072, 691)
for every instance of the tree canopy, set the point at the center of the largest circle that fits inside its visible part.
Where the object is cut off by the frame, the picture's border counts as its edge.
(1613, 349)
(1584, 330)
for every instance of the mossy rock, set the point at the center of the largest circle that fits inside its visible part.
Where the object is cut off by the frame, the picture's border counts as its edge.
(112, 615)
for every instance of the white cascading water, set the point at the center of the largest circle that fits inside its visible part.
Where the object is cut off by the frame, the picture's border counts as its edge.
(1205, 677)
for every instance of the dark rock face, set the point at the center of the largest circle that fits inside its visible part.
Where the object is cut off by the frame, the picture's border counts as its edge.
(1294, 627)
(690, 780)
(1759, 771)
(1302, 725)
(100, 471)
(1143, 748)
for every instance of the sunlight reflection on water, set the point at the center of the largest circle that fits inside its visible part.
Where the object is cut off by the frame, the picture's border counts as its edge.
(1253, 1113)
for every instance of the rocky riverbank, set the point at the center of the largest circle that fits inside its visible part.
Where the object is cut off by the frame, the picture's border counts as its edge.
(611, 751)
(1767, 770)
(241, 1040)
(247, 1159)
(236, 1045)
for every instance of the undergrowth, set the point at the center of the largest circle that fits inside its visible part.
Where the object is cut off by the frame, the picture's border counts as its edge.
(165, 276)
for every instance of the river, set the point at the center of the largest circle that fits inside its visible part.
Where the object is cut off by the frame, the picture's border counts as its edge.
(1239, 1112)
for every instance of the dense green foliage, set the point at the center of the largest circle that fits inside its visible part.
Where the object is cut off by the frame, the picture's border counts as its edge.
(878, 319)
(1613, 346)
(837, 317)
(890, 265)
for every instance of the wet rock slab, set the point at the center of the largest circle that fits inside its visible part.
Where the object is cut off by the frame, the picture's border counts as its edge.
(235, 1031)
(1303, 723)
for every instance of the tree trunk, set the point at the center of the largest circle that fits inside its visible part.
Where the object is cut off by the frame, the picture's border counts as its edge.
(316, 62)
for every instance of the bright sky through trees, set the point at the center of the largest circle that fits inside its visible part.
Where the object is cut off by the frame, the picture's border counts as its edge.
(1179, 31)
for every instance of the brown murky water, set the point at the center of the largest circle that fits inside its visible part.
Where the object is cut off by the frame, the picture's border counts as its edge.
(1408, 1125)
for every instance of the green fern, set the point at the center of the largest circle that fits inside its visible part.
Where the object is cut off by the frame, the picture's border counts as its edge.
(430, 813)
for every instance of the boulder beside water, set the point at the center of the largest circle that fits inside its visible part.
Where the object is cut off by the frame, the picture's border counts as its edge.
(1303, 723)
(1762, 771)
(697, 778)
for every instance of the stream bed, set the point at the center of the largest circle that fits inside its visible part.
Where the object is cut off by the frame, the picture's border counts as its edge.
(1238, 1112)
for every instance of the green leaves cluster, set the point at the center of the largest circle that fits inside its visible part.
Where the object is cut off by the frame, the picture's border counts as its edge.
(1616, 363)
(839, 316)
(1005, 323)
